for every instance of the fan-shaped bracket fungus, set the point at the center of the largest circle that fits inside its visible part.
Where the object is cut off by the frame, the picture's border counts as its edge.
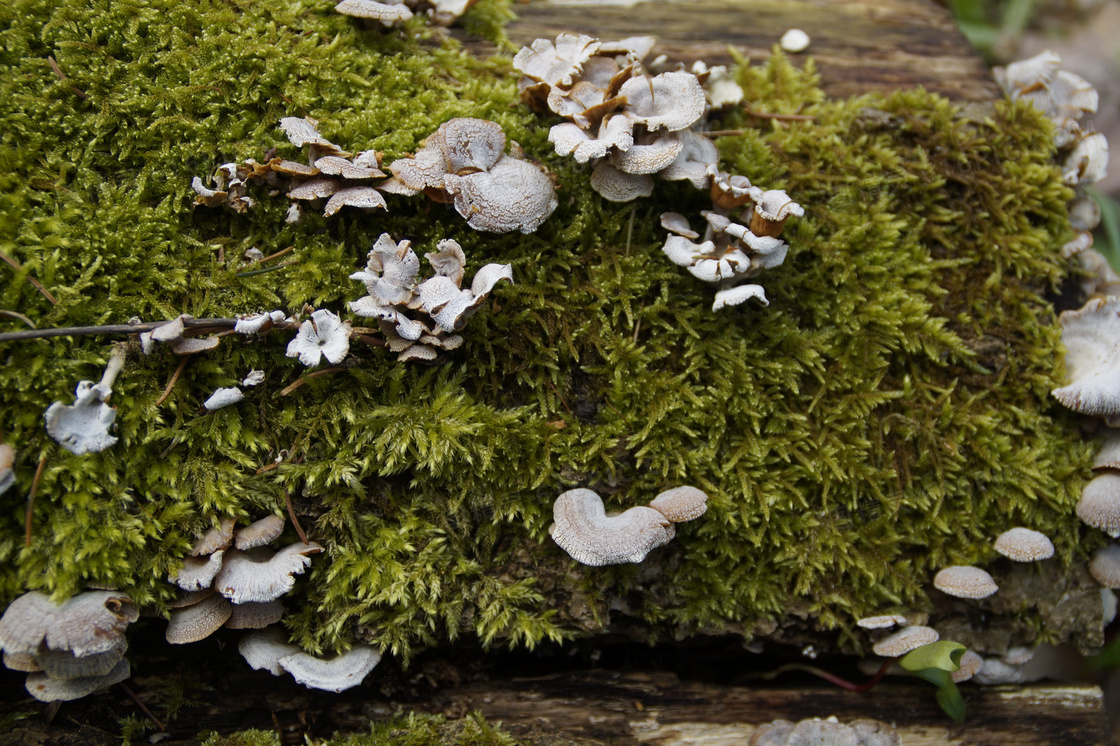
(1024, 545)
(1091, 337)
(83, 427)
(266, 649)
(965, 581)
(584, 530)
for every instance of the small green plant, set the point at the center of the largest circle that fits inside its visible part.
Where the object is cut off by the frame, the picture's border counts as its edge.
(936, 663)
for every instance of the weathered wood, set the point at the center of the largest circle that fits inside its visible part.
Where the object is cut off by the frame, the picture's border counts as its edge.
(858, 47)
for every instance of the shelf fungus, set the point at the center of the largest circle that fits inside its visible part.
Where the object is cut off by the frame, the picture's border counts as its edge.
(584, 529)
(267, 650)
(464, 162)
(71, 649)
(1099, 505)
(421, 319)
(631, 126)
(1091, 337)
(394, 12)
(1024, 545)
(905, 640)
(1105, 566)
(83, 427)
(965, 581)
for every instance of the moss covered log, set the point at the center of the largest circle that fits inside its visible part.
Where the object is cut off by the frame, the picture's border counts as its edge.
(886, 415)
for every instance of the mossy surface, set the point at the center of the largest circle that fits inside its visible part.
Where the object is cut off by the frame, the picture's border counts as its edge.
(885, 416)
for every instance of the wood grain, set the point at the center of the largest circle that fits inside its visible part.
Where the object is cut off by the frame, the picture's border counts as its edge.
(858, 47)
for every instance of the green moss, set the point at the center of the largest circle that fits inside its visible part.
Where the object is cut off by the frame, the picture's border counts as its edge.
(886, 415)
(412, 729)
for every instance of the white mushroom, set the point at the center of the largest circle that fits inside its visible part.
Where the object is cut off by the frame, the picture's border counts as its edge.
(45, 689)
(63, 664)
(971, 664)
(302, 132)
(217, 537)
(1024, 545)
(7, 461)
(86, 624)
(257, 575)
(1092, 340)
(884, 621)
(512, 195)
(584, 530)
(223, 397)
(362, 197)
(324, 335)
(905, 640)
(389, 12)
(795, 40)
(342, 672)
(1099, 506)
(1088, 162)
(965, 581)
(672, 100)
(199, 621)
(197, 573)
(83, 427)
(1105, 566)
(264, 648)
(681, 504)
(618, 186)
(255, 378)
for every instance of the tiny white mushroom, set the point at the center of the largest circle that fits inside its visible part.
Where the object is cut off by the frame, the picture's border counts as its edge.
(681, 503)
(905, 640)
(994, 671)
(217, 537)
(971, 664)
(1091, 337)
(1024, 545)
(255, 378)
(302, 132)
(362, 197)
(63, 664)
(1099, 506)
(1105, 566)
(388, 13)
(264, 648)
(795, 40)
(223, 397)
(883, 621)
(584, 530)
(672, 100)
(323, 335)
(965, 581)
(83, 427)
(739, 294)
(197, 573)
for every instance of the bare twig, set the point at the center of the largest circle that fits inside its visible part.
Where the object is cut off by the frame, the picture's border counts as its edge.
(174, 379)
(292, 516)
(299, 382)
(112, 329)
(38, 285)
(143, 707)
(277, 255)
(31, 501)
(252, 272)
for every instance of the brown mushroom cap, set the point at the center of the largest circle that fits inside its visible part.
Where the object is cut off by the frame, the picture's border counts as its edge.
(194, 623)
(1024, 545)
(45, 689)
(218, 537)
(1099, 506)
(255, 615)
(259, 533)
(584, 530)
(905, 640)
(86, 624)
(24, 662)
(681, 503)
(965, 581)
(1105, 566)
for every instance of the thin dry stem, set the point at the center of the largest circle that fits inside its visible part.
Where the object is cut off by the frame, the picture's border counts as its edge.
(292, 516)
(38, 285)
(31, 500)
(174, 379)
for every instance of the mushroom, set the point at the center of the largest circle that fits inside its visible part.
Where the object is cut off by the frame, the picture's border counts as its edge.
(970, 664)
(63, 664)
(223, 397)
(264, 648)
(616, 185)
(1087, 163)
(884, 621)
(681, 504)
(259, 533)
(83, 427)
(1091, 337)
(905, 640)
(323, 335)
(965, 581)
(584, 530)
(7, 473)
(342, 672)
(47, 689)
(197, 573)
(1099, 506)
(258, 323)
(86, 624)
(672, 100)
(259, 575)
(793, 41)
(1105, 566)
(771, 210)
(198, 621)
(388, 13)
(255, 614)
(1024, 545)
(218, 537)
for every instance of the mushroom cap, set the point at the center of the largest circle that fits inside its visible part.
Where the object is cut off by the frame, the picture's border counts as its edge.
(302, 132)
(883, 621)
(971, 663)
(512, 195)
(324, 335)
(649, 154)
(63, 664)
(198, 573)
(965, 581)
(698, 154)
(905, 640)
(45, 689)
(259, 533)
(995, 671)
(83, 427)
(448, 260)
(681, 503)
(388, 12)
(470, 144)
(362, 197)
(338, 674)
(223, 397)
(86, 624)
(673, 100)
(218, 537)
(1091, 337)
(194, 345)
(315, 188)
(1087, 163)
(261, 576)
(795, 40)
(774, 204)
(264, 648)
(335, 165)
(255, 615)
(390, 272)
(1105, 566)
(1108, 457)
(739, 294)
(24, 662)
(618, 186)
(7, 459)
(1099, 506)
(555, 63)
(584, 530)
(1023, 545)
(197, 622)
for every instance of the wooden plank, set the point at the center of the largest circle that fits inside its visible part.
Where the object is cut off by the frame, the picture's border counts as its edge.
(858, 46)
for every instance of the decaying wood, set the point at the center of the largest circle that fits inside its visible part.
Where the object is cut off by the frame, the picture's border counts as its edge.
(858, 47)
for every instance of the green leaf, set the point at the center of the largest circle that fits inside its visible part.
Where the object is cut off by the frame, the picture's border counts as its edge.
(943, 656)
(949, 697)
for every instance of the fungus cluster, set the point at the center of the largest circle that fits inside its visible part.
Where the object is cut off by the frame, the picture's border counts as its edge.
(393, 12)
(232, 579)
(815, 731)
(267, 649)
(68, 650)
(584, 529)
(420, 319)
(463, 163)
